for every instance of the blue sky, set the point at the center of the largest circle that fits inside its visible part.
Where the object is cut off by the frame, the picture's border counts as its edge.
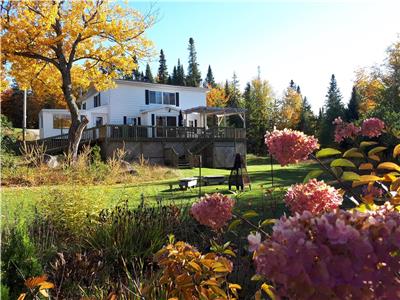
(303, 41)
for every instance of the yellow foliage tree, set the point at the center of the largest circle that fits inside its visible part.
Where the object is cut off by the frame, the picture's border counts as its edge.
(370, 88)
(291, 108)
(216, 97)
(59, 48)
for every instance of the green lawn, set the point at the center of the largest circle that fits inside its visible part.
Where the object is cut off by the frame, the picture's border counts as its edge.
(19, 203)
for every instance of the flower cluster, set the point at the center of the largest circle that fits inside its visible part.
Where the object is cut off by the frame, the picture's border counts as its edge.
(372, 127)
(289, 146)
(314, 196)
(344, 130)
(213, 210)
(336, 255)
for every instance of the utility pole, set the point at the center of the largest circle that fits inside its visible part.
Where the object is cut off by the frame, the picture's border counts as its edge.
(24, 117)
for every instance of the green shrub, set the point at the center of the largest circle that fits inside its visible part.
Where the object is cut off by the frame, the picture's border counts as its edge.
(19, 259)
(68, 209)
(4, 292)
(124, 234)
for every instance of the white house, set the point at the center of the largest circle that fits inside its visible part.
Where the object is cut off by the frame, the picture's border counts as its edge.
(133, 103)
(165, 123)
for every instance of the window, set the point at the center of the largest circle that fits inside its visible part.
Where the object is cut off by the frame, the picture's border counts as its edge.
(99, 121)
(155, 97)
(97, 101)
(61, 121)
(131, 121)
(84, 105)
(190, 123)
(169, 98)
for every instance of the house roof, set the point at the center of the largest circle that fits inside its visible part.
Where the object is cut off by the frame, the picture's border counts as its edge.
(210, 110)
(93, 91)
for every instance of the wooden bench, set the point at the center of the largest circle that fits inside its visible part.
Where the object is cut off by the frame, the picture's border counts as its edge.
(186, 183)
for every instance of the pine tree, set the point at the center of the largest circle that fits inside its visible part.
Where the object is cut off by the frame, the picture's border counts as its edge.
(194, 77)
(353, 106)
(227, 90)
(180, 79)
(162, 75)
(235, 100)
(148, 75)
(209, 81)
(333, 108)
(174, 76)
(307, 121)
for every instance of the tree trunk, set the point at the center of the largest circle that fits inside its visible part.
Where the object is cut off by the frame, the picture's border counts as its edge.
(77, 126)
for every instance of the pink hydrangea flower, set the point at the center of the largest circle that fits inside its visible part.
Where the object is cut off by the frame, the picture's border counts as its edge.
(254, 240)
(372, 127)
(336, 255)
(314, 196)
(213, 210)
(344, 130)
(290, 146)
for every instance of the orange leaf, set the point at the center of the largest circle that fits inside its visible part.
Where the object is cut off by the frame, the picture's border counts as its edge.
(396, 151)
(389, 166)
(35, 281)
(366, 166)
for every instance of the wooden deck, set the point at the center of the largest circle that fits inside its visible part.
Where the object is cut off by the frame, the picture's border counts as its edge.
(130, 133)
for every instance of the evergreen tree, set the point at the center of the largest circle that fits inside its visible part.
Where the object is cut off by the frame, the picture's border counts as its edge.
(209, 81)
(227, 89)
(353, 106)
(235, 100)
(148, 75)
(333, 108)
(307, 121)
(162, 75)
(180, 79)
(194, 77)
(174, 76)
(169, 80)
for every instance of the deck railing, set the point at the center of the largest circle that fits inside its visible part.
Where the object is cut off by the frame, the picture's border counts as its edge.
(145, 133)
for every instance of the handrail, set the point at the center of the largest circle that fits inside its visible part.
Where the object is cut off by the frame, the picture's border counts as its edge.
(144, 133)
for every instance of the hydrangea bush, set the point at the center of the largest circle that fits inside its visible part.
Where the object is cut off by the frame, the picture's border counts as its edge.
(290, 146)
(314, 196)
(213, 210)
(321, 250)
(336, 255)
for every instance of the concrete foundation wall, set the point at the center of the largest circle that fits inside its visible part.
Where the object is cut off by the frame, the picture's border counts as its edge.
(216, 155)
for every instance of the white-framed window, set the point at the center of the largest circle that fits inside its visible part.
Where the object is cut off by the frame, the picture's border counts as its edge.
(61, 121)
(169, 98)
(155, 97)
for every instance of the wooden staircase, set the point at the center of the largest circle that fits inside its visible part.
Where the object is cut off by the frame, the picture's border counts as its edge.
(184, 162)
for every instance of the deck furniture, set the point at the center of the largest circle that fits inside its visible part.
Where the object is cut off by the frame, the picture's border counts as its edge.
(186, 183)
(214, 179)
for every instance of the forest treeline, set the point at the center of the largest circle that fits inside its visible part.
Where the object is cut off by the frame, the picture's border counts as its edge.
(375, 92)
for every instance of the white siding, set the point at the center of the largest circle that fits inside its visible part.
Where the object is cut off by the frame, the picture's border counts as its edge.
(130, 100)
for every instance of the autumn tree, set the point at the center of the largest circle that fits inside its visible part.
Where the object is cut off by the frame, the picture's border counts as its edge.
(216, 97)
(291, 105)
(259, 103)
(60, 48)
(370, 88)
(162, 75)
(193, 77)
(148, 75)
